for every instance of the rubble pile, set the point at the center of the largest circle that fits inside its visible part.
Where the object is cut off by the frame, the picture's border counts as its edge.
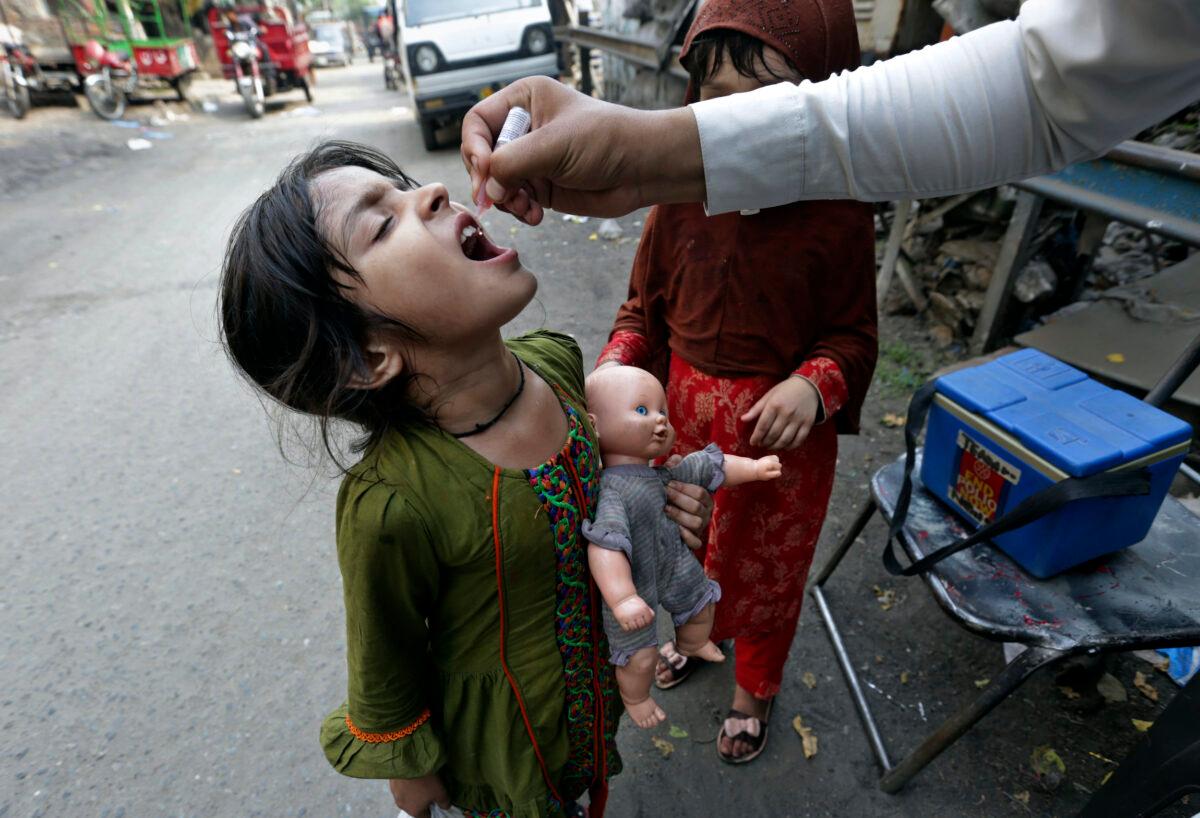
(951, 247)
(1181, 132)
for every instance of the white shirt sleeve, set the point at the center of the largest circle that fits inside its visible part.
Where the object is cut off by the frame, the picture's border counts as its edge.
(1065, 81)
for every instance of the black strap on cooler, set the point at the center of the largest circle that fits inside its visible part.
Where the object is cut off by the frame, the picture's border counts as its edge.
(1105, 484)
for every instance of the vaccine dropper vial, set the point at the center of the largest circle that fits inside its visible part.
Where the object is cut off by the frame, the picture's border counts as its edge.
(516, 125)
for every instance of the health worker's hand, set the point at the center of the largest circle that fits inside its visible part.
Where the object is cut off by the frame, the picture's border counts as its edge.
(582, 155)
(416, 795)
(785, 415)
(690, 506)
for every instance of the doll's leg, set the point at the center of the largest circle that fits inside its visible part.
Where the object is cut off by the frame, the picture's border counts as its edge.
(691, 638)
(633, 680)
(614, 578)
(690, 597)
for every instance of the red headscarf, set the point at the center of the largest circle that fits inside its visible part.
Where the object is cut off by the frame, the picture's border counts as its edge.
(818, 36)
(739, 295)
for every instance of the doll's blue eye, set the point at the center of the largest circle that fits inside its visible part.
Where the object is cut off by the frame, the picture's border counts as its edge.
(641, 410)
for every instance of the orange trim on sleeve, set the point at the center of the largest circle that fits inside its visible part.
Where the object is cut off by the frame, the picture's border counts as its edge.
(381, 738)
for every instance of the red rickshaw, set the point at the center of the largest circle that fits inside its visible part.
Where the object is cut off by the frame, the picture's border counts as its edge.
(263, 49)
(41, 53)
(123, 46)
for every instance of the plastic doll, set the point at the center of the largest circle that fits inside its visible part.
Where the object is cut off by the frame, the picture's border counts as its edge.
(635, 552)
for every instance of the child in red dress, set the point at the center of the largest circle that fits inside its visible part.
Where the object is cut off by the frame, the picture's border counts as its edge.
(768, 318)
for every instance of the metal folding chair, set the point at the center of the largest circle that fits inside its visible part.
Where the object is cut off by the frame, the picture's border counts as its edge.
(1146, 596)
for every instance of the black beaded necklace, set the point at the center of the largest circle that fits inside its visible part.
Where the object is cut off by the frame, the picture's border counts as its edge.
(483, 427)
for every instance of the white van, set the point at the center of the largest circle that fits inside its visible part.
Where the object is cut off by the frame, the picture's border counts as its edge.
(456, 52)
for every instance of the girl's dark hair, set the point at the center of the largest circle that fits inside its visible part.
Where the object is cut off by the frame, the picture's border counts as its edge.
(709, 50)
(287, 322)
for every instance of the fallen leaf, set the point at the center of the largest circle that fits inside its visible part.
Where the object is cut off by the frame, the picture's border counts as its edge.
(1107, 776)
(1141, 724)
(808, 739)
(810, 681)
(594, 237)
(904, 677)
(665, 748)
(1111, 689)
(1143, 685)
(1022, 797)
(982, 683)
(1048, 767)
(878, 659)
(885, 597)
(677, 732)
(1070, 692)
(1115, 358)
(1101, 758)
(893, 421)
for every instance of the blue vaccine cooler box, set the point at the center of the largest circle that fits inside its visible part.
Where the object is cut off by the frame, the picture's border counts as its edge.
(1004, 430)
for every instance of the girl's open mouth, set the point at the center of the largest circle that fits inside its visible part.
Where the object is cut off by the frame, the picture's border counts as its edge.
(474, 242)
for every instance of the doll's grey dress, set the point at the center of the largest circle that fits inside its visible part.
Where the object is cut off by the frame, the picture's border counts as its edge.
(630, 519)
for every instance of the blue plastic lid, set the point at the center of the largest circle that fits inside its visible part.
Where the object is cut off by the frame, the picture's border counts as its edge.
(1079, 425)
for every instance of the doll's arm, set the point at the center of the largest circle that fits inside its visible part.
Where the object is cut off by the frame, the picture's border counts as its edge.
(740, 470)
(610, 557)
(711, 468)
(614, 578)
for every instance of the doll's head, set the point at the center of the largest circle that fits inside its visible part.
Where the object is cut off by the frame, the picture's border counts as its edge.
(628, 408)
(345, 275)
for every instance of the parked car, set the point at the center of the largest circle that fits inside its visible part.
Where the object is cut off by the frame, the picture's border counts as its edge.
(456, 52)
(331, 44)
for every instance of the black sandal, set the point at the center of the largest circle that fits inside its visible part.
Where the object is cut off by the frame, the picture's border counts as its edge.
(680, 674)
(757, 743)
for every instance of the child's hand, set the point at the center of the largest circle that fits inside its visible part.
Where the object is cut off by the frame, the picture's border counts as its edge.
(768, 468)
(415, 795)
(690, 506)
(785, 415)
(633, 613)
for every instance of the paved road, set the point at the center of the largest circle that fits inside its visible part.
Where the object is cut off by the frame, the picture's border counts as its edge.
(170, 608)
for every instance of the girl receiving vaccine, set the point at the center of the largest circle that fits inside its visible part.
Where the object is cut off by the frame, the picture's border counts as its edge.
(478, 668)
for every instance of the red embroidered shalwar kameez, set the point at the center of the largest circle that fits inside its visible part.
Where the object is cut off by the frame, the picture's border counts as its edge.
(739, 302)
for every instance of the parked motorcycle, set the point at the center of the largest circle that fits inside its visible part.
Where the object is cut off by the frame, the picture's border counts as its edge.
(110, 79)
(247, 57)
(16, 64)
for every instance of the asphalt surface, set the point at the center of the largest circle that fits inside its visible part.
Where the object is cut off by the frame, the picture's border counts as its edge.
(170, 607)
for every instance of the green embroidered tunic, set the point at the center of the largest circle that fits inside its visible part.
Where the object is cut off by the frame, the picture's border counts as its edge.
(473, 633)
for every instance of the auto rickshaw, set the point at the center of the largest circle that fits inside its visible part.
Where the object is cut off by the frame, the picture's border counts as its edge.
(153, 35)
(263, 49)
(38, 58)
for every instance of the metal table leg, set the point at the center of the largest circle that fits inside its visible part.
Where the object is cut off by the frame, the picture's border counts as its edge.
(1016, 672)
(864, 711)
(860, 700)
